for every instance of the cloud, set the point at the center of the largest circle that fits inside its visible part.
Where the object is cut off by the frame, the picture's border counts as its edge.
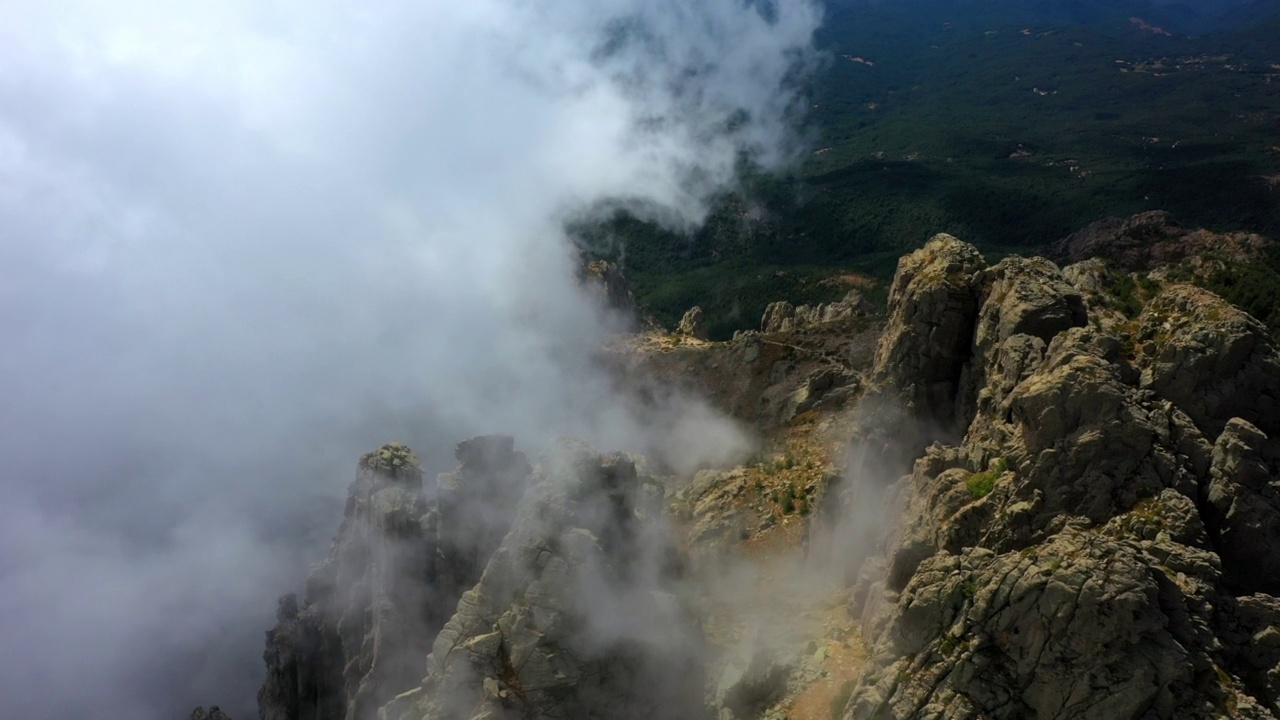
(242, 242)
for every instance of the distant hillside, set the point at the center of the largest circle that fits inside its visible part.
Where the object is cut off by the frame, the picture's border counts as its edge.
(969, 118)
(1188, 17)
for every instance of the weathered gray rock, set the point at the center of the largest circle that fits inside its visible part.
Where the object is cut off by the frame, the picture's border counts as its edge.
(1098, 284)
(1061, 559)
(1089, 276)
(1022, 297)
(213, 713)
(391, 580)
(1079, 628)
(304, 662)
(1244, 506)
(933, 307)
(782, 316)
(608, 285)
(1085, 440)
(473, 511)
(826, 388)
(572, 617)
(1211, 359)
(693, 324)
(360, 636)
(752, 681)
(1250, 627)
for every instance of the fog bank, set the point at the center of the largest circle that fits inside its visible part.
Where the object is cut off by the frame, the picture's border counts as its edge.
(242, 242)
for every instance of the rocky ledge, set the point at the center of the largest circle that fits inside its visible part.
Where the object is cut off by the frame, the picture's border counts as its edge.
(1054, 503)
(1089, 526)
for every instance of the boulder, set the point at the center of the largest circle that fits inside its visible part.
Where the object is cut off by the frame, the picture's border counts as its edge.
(752, 681)
(693, 324)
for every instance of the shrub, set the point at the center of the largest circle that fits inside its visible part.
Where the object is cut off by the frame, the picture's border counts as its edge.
(394, 459)
(980, 484)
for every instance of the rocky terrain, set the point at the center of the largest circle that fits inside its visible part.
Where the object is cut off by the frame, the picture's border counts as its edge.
(1152, 240)
(1020, 491)
(1078, 548)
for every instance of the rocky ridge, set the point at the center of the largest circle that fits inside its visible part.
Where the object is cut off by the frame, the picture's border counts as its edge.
(1068, 554)
(1052, 502)
(1151, 240)
(782, 316)
(395, 571)
(574, 616)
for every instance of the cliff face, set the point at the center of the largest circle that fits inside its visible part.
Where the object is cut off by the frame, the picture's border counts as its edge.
(1046, 508)
(1091, 545)
(574, 616)
(500, 595)
(391, 579)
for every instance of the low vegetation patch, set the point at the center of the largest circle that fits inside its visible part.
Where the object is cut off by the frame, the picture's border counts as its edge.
(394, 459)
(980, 484)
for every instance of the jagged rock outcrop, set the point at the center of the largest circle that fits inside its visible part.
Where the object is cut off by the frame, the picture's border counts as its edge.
(304, 668)
(693, 324)
(1022, 297)
(921, 357)
(361, 631)
(1243, 496)
(473, 511)
(913, 390)
(1052, 508)
(1150, 240)
(760, 380)
(1097, 282)
(391, 579)
(1079, 628)
(782, 316)
(573, 617)
(606, 282)
(213, 713)
(1209, 358)
(1077, 552)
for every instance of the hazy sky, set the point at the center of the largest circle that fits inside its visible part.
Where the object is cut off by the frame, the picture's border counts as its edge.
(242, 242)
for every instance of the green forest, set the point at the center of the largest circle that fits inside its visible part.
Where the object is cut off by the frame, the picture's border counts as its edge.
(1007, 135)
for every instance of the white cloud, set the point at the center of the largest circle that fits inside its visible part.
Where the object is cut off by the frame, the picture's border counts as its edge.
(240, 242)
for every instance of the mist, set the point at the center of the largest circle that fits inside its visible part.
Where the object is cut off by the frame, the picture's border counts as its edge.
(243, 242)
